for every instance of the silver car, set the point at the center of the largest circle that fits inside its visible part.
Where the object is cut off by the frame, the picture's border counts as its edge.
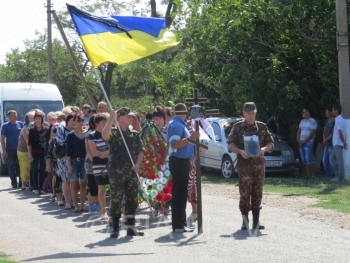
(281, 159)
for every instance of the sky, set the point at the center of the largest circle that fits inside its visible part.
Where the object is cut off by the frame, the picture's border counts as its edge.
(20, 18)
(18, 21)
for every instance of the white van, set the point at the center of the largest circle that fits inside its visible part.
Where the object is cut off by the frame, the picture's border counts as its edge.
(23, 97)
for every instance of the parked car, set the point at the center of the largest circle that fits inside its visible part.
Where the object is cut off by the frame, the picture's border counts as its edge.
(280, 159)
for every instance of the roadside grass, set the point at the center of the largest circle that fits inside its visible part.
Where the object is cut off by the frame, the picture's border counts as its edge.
(4, 258)
(331, 195)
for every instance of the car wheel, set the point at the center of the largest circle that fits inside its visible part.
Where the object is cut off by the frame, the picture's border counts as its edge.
(227, 167)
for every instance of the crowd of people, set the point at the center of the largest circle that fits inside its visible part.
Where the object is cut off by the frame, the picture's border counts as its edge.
(333, 139)
(81, 156)
(78, 156)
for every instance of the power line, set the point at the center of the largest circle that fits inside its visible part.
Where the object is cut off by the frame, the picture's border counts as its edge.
(19, 21)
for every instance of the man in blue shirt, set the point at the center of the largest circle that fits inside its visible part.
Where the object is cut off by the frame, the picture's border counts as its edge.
(10, 131)
(181, 151)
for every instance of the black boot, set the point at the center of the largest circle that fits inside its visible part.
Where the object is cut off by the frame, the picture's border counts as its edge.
(245, 224)
(132, 230)
(256, 223)
(116, 227)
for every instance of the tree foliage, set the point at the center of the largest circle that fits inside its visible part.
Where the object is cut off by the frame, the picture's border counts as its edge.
(280, 54)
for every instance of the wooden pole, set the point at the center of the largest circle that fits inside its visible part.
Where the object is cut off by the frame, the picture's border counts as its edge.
(199, 186)
(343, 57)
(195, 113)
(74, 60)
(343, 69)
(49, 43)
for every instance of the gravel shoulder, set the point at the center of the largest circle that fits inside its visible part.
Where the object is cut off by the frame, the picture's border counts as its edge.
(35, 230)
(299, 204)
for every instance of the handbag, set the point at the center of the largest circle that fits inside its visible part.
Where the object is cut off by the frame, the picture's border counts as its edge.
(59, 151)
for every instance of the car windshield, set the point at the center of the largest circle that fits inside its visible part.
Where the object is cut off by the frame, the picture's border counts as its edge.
(23, 107)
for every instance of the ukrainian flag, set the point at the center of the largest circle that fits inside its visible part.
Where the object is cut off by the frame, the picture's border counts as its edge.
(120, 39)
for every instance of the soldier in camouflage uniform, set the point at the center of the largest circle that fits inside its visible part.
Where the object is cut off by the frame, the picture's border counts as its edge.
(122, 174)
(251, 170)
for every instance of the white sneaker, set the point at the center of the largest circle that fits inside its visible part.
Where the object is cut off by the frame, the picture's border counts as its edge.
(104, 216)
(68, 206)
(192, 217)
(60, 203)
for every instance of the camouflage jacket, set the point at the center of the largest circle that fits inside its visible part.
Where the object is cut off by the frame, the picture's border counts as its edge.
(132, 138)
(241, 129)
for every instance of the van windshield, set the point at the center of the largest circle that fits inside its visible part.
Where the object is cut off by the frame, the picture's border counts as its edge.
(23, 107)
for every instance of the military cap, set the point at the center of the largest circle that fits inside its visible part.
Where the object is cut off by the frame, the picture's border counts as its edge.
(124, 111)
(249, 107)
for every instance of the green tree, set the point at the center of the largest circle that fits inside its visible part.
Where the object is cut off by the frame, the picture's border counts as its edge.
(31, 66)
(280, 54)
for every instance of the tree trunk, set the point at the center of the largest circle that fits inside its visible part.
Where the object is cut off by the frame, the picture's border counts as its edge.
(169, 12)
(108, 79)
(153, 8)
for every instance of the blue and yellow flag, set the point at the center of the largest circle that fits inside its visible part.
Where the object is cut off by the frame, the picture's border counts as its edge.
(120, 39)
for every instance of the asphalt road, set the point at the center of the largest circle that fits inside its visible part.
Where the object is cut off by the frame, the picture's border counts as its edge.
(35, 230)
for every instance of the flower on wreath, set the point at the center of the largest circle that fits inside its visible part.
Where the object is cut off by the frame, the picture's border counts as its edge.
(156, 181)
(167, 173)
(166, 190)
(167, 198)
(163, 180)
(160, 187)
(154, 193)
(159, 197)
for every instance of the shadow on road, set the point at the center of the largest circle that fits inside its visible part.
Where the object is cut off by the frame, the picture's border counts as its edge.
(80, 255)
(244, 234)
(173, 239)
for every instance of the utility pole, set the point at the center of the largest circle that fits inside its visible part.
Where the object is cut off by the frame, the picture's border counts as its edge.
(49, 42)
(344, 77)
(74, 60)
(343, 57)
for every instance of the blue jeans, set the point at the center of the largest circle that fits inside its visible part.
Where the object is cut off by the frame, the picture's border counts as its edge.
(13, 168)
(328, 170)
(38, 166)
(306, 152)
(79, 173)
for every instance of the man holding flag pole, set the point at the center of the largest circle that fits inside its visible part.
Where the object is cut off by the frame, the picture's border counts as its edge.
(125, 165)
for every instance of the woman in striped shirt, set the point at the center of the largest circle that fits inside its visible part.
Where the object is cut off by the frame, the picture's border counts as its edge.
(100, 152)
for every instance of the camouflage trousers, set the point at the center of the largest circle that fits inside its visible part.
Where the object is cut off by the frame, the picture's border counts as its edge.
(123, 181)
(251, 173)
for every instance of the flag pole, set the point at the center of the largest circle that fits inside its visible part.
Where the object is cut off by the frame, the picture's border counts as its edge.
(126, 146)
(74, 60)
